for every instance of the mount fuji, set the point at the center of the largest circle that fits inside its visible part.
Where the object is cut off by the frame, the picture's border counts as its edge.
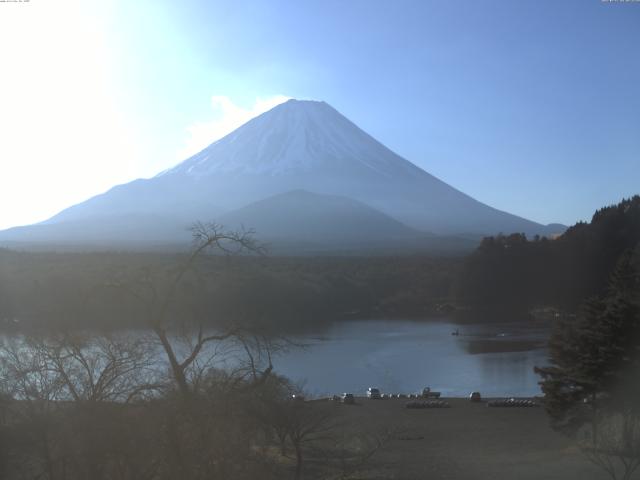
(300, 172)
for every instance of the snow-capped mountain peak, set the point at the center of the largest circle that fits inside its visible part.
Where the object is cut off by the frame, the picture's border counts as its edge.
(295, 137)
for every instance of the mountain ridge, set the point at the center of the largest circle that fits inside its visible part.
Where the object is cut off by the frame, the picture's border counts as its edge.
(297, 145)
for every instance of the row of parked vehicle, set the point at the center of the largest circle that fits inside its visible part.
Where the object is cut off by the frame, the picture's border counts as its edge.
(374, 393)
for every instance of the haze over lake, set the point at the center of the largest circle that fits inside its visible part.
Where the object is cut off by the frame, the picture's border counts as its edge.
(402, 356)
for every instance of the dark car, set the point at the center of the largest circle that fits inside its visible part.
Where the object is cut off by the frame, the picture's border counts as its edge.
(348, 398)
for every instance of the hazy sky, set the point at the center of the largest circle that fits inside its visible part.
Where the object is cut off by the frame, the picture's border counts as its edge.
(531, 106)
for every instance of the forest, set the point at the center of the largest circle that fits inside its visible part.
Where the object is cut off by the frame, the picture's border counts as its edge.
(81, 290)
(511, 273)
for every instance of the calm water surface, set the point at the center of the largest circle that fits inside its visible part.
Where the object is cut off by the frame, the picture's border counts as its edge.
(404, 356)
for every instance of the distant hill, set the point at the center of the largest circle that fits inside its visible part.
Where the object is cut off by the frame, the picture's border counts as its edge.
(299, 145)
(316, 218)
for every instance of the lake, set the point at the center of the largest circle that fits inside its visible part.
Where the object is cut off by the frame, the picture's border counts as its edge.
(401, 356)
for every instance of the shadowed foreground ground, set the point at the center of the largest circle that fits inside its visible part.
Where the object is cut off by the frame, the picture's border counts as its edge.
(468, 441)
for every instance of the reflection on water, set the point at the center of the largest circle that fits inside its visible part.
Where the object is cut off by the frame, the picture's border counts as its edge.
(405, 356)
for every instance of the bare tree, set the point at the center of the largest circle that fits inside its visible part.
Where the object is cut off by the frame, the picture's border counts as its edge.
(308, 424)
(70, 393)
(353, 449)
(616, 448)
(100, 368)
(270, 406)
(25, 379)
(199, 427)
(183, 342)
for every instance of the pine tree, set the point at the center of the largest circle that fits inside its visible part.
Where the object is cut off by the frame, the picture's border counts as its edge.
(594, 358)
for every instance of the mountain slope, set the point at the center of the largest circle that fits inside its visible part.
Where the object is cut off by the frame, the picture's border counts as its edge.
(309, 145)
(298, 145)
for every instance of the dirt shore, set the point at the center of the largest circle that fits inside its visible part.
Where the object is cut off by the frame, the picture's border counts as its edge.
(467, 441)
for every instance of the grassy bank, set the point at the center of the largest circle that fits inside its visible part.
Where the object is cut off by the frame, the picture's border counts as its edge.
(466, 441)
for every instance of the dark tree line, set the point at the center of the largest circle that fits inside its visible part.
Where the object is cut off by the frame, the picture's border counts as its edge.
(592, 385)
(513, 273)
(67, 290)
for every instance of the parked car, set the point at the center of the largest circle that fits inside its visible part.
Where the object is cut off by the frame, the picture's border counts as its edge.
(348, 398)
(475, 397)
(373, 393)
(428, 393)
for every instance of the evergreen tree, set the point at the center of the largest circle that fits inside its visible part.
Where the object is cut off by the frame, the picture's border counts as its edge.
(594, 358)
